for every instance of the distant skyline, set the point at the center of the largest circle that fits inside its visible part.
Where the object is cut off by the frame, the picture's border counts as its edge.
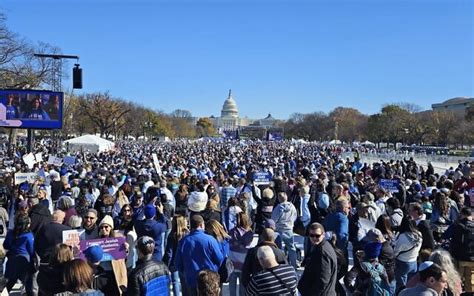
(278, 57)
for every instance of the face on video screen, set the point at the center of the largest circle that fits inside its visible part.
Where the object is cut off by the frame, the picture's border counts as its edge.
(31, 109)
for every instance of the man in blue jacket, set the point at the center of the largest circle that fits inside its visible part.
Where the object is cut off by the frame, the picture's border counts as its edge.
(338, 223)
(197, 251)
(154, 228)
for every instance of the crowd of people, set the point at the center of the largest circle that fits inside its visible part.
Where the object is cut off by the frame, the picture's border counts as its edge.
(193, 217)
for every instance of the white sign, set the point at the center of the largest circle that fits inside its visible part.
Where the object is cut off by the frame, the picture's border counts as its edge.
(156, 163)
(29, 160)
(39, 157)
(25, 177)
(55, 160)
(73, 238)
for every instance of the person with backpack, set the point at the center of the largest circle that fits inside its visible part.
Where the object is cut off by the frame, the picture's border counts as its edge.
(462, 246)
(372, 278)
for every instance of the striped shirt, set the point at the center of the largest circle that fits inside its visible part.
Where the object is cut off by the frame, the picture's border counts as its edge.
(279, 280)
(227, 193)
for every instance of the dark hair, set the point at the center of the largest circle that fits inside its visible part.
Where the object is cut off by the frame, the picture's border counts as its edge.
(383, 224)
(433, 271)
(78, 276)
(442, 204)
(393, 203)
(407, 225)
(196, 221)
(146, 245)
(417, 208)
(465, 211)
(316, 226)
(22, 225)
(208, 283)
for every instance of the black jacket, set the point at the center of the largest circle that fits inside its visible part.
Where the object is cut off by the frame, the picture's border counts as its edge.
(40, 216)
(47, 238)
(427, 234)
(460, 232)
(56, 190)
(252, 265)
(50, 280)
(146, 270)
(320, 275)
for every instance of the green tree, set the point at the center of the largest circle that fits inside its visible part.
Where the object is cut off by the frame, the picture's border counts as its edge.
(204, 127)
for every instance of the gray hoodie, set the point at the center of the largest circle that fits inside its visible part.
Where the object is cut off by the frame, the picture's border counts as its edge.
(284, 216)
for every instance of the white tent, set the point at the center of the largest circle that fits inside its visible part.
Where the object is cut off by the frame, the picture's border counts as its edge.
(89, 143)
(335, 142)
(368, 143)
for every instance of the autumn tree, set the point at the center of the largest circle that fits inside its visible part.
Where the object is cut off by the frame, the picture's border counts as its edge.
(351, 123)
(204, 127)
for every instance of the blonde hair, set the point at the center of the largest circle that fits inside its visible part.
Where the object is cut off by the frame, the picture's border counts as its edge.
(216, 229)
(179, 227)
(444, 259)
(62, 253)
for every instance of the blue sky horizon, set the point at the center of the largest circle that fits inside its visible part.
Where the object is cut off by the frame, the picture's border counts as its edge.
(278, 57)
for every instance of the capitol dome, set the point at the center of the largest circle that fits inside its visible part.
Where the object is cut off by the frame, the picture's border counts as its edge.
(229, 109)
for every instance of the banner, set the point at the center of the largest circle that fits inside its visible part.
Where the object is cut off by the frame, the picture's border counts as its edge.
(262, 178)
(25, 177)
(114, 247)
(390, 185)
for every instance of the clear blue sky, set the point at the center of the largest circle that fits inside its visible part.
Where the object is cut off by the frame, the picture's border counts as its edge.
(277, 56)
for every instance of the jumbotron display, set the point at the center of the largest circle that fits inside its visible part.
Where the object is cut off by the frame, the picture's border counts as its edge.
(33, 109)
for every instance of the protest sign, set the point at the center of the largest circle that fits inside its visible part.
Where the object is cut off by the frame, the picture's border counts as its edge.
(29, 160)
(262, 178)
(55, 160)
(389, 184)
(156, 163)
(69, 160)
(72, 238)
(114, 247)
(39, 157)
(25, 177)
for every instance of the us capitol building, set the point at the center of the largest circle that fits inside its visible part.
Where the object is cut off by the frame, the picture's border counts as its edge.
(230, 120)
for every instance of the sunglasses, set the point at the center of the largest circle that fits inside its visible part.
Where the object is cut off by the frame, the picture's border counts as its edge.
(315, 235)
(89, 218)
(105, 227)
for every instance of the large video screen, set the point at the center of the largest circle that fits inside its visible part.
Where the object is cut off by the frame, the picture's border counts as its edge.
(33, 109)
(252, 132)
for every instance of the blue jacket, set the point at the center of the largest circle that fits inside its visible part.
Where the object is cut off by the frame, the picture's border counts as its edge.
(154, 229)
(338, 223)
(23, 245)
(198, 251)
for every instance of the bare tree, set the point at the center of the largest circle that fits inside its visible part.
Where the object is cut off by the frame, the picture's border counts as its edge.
(103, 110)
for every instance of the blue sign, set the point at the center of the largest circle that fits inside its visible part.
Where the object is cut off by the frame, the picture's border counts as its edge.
(69, 160)
(35, 109)
(390, 185)
(262, 178)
